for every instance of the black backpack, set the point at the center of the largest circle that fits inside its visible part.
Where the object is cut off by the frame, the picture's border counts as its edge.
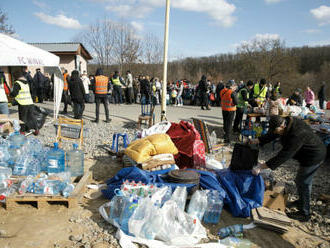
(244, 157)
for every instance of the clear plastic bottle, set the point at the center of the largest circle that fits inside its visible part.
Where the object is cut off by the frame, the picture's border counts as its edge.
(213, 138)
(55, 160)
(214, 207)
(198, 204)
(129, 208)
(234, 230)
(180, 197)
(9, 191)
(25, 184)
(68, 190)
(5, 172)
(75, 161)
(4, 155)
(15, 138)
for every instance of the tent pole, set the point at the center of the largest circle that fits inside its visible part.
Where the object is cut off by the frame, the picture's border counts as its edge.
(164, 86)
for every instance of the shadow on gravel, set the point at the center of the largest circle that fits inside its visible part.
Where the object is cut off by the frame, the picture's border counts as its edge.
(209, 116)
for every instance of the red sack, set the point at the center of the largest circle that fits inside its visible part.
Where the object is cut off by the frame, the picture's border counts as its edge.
(328, 105)
(191, 148)
(212, 97)
(7, 91)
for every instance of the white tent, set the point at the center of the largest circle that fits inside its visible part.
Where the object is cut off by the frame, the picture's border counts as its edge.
(17, 53)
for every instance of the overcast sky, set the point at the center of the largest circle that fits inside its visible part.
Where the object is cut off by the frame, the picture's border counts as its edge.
(197, 27)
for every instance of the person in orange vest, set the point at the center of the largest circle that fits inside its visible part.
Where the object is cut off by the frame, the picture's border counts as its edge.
(65, 96)
(101, 86)
(228, 105)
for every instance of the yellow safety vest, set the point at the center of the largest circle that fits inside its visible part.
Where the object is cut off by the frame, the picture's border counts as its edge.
(116, 81)
(261, 96)
(24, 97)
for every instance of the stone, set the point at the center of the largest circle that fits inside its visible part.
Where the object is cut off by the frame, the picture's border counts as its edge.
(75, 238)
(319, 203)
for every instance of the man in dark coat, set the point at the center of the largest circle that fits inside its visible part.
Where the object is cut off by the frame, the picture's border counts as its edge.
(219, 88)
(39, 82)
(296, 98)
(29, 79)
(77, 92)
(322, 95)
(302, 144)
(145, 90)
(202, 88)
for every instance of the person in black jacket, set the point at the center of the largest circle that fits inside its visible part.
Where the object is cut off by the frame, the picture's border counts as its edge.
(145, 90)
(219, 88)
(77, 92)
(39, 82)
(321, 95)
(301, 143)
(29, 79)
(296, 98)
(202, 88)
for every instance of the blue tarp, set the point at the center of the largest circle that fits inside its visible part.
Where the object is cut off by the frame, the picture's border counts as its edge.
(240, 190)
(244, 191)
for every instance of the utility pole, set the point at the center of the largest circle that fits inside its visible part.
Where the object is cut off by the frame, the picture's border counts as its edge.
(164, 88)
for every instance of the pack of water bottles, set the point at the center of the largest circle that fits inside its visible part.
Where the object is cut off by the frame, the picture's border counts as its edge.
(157, 213)
(27, 156)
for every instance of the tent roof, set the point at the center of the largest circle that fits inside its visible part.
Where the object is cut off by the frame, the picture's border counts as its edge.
(17, 53)
(64, 47)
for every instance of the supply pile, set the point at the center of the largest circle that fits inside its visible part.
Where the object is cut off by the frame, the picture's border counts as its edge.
(28, 166)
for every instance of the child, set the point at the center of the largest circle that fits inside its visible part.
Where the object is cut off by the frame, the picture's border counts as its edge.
(273, 104)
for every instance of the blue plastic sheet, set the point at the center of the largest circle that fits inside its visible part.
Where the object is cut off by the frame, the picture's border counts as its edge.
(245, 191)
(240, 190)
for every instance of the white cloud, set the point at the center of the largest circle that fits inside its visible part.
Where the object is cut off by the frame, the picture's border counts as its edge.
(41, 5)
(266, 36)
(312, 31)
(322, 14)
(138, 26)
(320, 43)
(221, 11)
(59, 20)
(273, 1)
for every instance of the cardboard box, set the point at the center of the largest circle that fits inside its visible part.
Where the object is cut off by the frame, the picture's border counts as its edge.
(276, 199)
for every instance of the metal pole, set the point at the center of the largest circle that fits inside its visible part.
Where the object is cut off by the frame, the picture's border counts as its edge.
(164, 88)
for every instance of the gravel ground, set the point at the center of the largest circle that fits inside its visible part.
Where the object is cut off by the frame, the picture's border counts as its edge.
(124, 119)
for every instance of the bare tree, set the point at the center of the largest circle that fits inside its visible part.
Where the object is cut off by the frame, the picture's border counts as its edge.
(265, 58)
(100, 38)
(127, 46)
(4, 26)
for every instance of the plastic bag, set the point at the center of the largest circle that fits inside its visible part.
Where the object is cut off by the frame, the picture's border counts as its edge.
(40, 115)
(160, 127)
(213, 164)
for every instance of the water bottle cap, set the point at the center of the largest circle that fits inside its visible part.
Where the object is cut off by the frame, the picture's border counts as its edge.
(75, 146)
(55, 145)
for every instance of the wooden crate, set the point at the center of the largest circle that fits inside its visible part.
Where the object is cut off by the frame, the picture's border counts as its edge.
(42, 201)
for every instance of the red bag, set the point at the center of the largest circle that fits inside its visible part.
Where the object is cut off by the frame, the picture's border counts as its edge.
(191, 148)
(6, 89)
(212, 97)
(328, 105)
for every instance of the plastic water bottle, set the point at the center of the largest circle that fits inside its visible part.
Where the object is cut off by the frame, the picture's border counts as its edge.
(213, 138)
(15, 138)
(5, 173)
(214, 207)
(117, 205)
(180, 197)
(55, 160)
(34, 147)
(128, 210)
(4, 154)
(68, 190)
(150, 228)
(234, 230)
(25, 184)
(15, 153)
(4, 184)
(54, 187)
(75, 161)
(9, 191)
(198, 204)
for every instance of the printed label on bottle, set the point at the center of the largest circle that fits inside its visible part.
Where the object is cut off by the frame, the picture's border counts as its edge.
(53, 163)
